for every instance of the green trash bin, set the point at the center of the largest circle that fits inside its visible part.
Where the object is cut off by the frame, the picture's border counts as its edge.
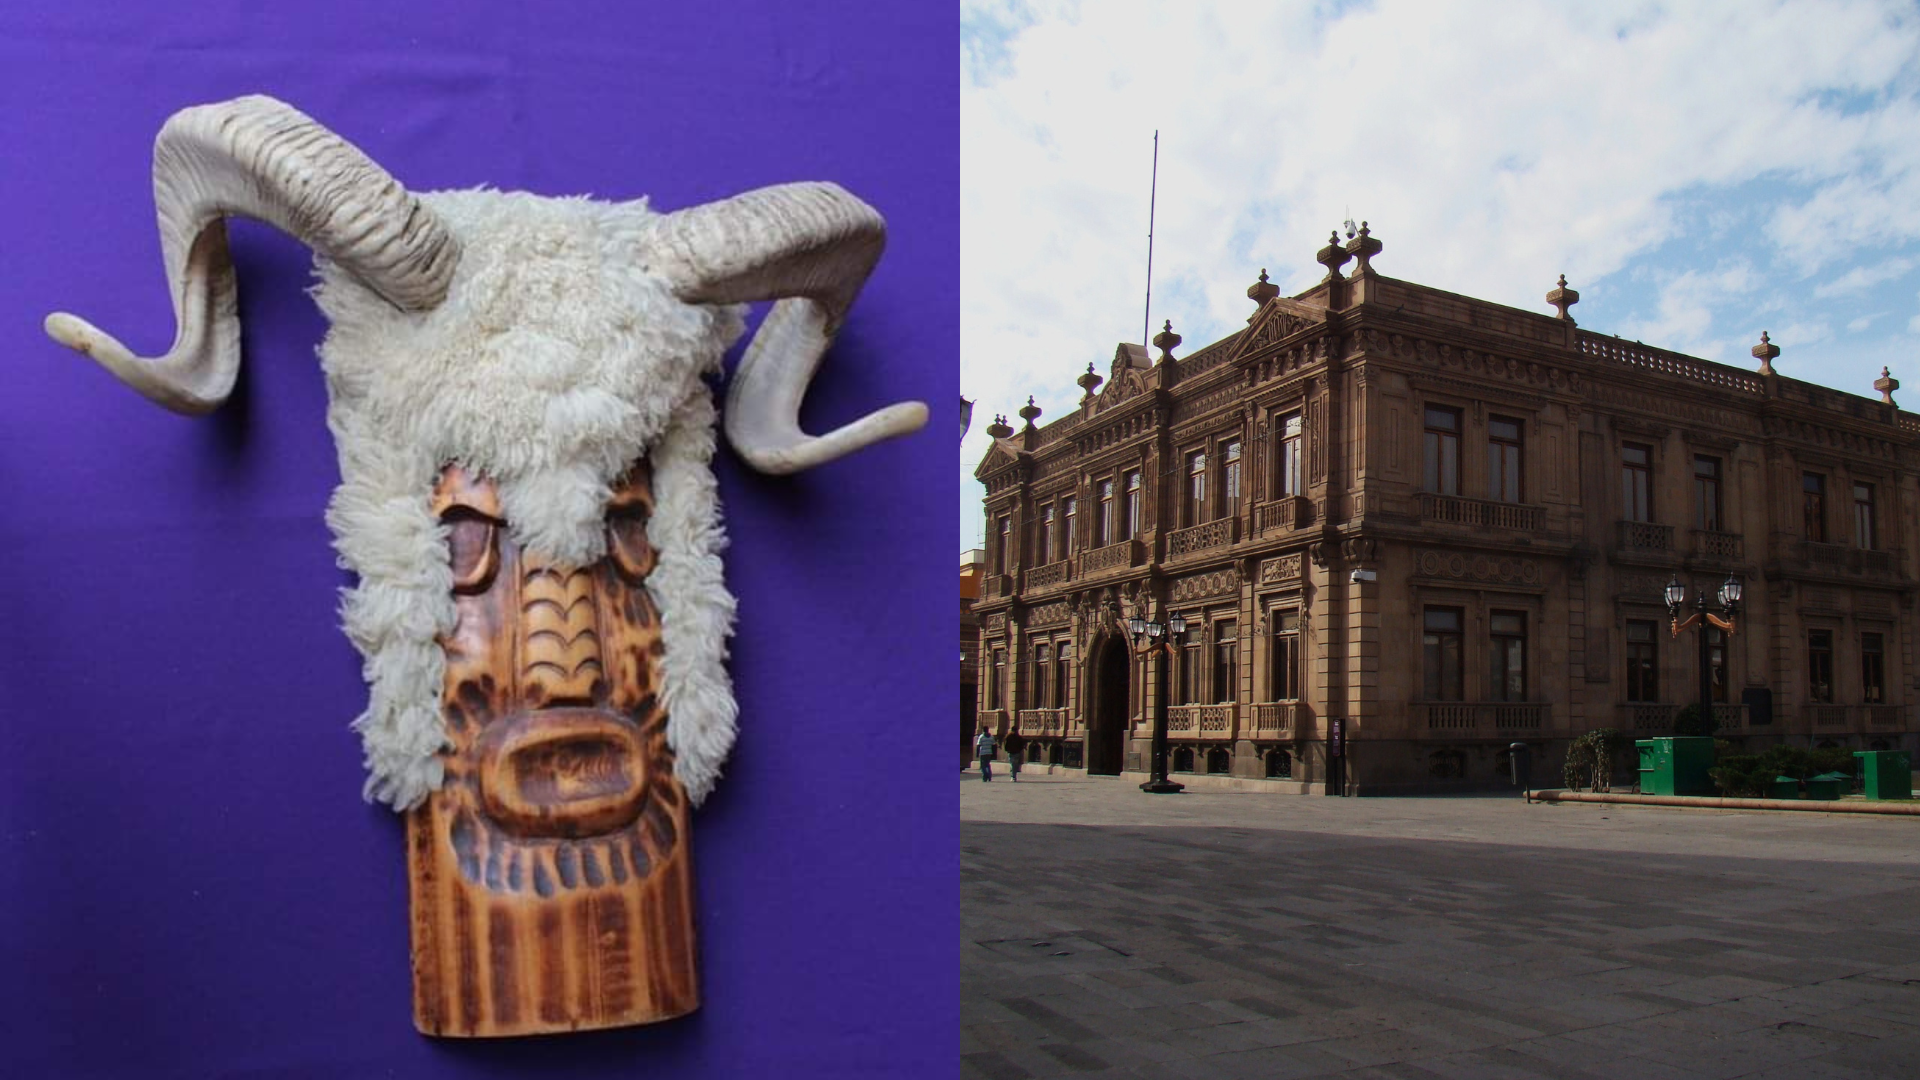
(1675, 766)
(1783, 787)
(1827, 785)
(1888, 773)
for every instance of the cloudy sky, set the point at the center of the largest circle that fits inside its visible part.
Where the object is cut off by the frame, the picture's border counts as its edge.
(1700, 172)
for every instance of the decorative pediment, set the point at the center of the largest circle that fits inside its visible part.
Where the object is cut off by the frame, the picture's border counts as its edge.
(999, 456)
(1279, 319)
(1125, 385)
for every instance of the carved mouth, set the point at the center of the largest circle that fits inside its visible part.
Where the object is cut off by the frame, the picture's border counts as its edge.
(563, 772)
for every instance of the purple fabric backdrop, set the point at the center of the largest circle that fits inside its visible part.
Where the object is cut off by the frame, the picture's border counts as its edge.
(190, 885)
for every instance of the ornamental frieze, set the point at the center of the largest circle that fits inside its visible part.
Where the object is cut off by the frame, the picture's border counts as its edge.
(1460, 566)
(1198, 586)
(1052, 614)
(1283, 568)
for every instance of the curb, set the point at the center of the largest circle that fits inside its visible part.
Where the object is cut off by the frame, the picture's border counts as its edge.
(1817, 806)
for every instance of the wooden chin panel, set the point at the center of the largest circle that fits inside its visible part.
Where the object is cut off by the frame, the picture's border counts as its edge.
(550, 876)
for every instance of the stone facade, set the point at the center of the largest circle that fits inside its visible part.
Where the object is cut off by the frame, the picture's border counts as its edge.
(1443, 525)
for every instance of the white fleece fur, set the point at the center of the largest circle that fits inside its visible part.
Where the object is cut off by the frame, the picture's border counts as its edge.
(555, 362)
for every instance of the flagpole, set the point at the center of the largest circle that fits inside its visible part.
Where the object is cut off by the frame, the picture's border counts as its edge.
(1153, 193)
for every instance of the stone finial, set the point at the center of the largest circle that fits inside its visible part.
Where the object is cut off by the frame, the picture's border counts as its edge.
(1765, 352)
(1165, 341)
(1563, 298)
(1029, 411)
(999, 429)
(1363, 247)
(1262, 291)
(1089, 383)
(1333, 257)
(1887, 384)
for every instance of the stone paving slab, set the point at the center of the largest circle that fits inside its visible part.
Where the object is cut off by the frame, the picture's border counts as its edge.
(1109, 933)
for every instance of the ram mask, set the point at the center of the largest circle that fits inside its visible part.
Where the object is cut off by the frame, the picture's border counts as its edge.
(516, 393)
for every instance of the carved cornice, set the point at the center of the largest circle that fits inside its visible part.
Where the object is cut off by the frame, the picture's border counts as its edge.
(1471, 363)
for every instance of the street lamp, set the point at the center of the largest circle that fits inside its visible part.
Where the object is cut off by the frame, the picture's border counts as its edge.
(1729, 603)
(1150, 637)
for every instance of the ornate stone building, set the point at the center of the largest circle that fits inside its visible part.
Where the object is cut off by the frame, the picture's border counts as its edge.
(1431, 526)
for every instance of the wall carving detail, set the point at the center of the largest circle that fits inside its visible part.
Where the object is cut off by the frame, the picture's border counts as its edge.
(1212, 583)
(1493, 568)
(1283, 568)
(1051, 614)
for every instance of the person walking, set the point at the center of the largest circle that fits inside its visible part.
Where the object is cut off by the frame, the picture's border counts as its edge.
(1016, 748)
(983, 747)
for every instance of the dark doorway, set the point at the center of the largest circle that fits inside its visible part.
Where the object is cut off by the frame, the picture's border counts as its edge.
(1107, 734)
(969, 724)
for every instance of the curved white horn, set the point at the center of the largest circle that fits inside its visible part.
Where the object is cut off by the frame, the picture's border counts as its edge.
(810, 248)
(260, 158)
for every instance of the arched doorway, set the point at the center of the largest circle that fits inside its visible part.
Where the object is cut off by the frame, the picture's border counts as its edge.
(1107, 732)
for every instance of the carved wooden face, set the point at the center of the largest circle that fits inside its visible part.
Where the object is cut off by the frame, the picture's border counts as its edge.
(559, 817)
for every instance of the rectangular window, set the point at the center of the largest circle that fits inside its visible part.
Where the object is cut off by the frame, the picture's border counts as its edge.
(1193, 671)
(1503, 459)
(1717, 662)
(1706, 492)
(1067, 508)
(1229, 475)
(1873, 668)
(1863, 527)
(1226, 660)
(1636, 479)
(1820, 666)
(1130, 511)
(1643, 666)
(1103, 517)
(1509, 647)
(1042, 667)
(1062, 667)
(997, 684)
(1813, 506)
(1044, 550)
(1289, 474)
(1443, 451)
(1285, 681)
(1441, 649)
(1003, 542)
(1196, 508)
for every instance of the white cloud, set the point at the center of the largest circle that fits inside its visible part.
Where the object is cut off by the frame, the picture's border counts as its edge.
(1492, 146)
(1862, 277)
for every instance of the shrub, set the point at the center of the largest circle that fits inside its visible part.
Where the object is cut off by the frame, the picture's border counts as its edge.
(1589, 765)
(1751, 775)
(1689, 721)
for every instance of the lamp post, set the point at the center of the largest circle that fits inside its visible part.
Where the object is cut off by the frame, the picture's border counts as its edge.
(1730, 604)
(1150, 637)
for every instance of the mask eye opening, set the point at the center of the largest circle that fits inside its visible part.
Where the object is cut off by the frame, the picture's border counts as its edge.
(473, 549)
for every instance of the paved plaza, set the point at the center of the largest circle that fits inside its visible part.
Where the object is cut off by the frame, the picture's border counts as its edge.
(1107, 932)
